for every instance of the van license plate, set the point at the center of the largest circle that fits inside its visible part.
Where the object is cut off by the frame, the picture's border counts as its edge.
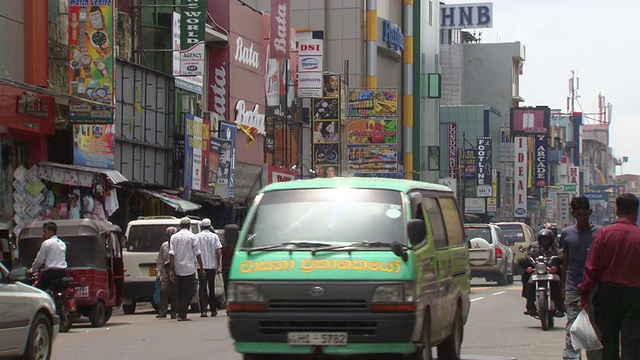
(82, 291)
(314, 338)
(153, 271)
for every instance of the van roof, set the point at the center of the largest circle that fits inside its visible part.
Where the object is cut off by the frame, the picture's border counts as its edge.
(356, 182)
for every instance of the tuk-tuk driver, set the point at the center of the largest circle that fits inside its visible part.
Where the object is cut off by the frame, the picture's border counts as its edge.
(51, 257)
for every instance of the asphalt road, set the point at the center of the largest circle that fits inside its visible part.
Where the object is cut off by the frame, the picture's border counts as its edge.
(496, 330)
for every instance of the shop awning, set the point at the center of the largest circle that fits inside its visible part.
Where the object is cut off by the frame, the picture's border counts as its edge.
(114, 176)
(175, 202)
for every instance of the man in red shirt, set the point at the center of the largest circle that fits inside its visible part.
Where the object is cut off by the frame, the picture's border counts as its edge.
(613, 271)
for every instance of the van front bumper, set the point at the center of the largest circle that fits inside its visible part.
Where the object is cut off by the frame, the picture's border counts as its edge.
(366, 332)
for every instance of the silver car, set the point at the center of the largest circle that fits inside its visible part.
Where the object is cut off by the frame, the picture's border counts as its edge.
(489, 255)
(28, 320)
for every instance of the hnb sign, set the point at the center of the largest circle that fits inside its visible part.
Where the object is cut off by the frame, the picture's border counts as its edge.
(462, 16)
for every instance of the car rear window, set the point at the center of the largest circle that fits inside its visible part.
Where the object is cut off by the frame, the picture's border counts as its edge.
(479, 232)
(513, 232)
(148, 238)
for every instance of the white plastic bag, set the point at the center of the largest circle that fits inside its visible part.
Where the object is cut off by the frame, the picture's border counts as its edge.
(583, 335)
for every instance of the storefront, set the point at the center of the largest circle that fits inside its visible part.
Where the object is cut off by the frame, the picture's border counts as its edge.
(236, 95)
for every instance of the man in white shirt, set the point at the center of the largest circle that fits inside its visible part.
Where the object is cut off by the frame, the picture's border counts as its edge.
(51, 257)
(211, 260)
(184, 250)
(168, 290)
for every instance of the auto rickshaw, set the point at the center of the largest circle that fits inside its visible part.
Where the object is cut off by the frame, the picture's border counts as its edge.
(94, 260)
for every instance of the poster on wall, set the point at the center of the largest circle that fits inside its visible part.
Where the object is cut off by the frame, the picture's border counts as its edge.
(378, 102)
(92, 61)
(226, 169)
(372, 131)
(373, 159)
(93, 146)
(196, 153)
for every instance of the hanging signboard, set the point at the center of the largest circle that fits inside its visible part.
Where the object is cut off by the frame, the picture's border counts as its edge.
(540, 155)
(483, 168)
(192, 33)
(520, 178)
(452, 137)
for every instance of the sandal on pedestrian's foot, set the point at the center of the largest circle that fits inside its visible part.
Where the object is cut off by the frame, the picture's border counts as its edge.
(204, 314)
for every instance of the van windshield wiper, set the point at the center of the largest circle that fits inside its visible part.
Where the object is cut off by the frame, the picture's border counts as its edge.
(300, 244)
(357, 244)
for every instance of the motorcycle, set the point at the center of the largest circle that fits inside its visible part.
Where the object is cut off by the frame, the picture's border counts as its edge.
(62, 292)
(543, 278)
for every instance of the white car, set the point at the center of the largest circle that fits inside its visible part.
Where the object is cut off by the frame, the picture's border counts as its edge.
(28, 320)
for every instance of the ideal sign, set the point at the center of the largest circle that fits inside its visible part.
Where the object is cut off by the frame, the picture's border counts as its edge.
(453, 150)
(520, 178)
(463, 16)
(192, 30)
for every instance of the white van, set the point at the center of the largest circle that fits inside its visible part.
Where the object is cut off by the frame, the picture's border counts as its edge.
(144, 237)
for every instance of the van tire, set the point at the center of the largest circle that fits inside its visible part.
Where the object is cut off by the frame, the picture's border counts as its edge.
(451, 347)
(129, 309)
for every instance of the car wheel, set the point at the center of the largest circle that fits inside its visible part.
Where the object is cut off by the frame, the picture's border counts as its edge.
(502, 279)
(98, 314)
(450, 348)
(108, 313)
(424, 352)
(129, 309)
(39, 343)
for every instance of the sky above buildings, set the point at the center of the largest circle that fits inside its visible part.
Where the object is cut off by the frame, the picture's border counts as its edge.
(595, 38)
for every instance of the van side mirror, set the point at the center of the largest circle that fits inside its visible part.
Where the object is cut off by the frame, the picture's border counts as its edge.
(231, 233)
(417, 231)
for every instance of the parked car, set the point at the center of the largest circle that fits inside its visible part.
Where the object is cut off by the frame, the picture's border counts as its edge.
(517, 234)
(28, 320)
(489, 256)
(144, 237)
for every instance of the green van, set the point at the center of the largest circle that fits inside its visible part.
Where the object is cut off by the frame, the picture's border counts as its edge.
(347, 266)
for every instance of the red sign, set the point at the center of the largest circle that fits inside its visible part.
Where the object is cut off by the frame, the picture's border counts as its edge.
(278, 174)
(453, 149)
(26, 110)
(279, 29)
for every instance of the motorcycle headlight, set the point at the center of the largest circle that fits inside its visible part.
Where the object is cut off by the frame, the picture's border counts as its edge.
(541, 268)
(243, 292)
(394, 293)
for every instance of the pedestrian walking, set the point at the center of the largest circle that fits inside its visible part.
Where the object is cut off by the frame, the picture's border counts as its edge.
(612, 274)
(184, 251)
(211, 261)
(168, 288)
(576, 242)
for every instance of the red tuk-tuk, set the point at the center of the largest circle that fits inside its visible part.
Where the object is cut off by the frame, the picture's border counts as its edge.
(94, 260)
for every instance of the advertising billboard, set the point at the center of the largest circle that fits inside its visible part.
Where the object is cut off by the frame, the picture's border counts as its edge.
(453, 149)
(530, 121)
(196, 153)
(484, 173)
(192, 33)
(541, 167)
(93, 145)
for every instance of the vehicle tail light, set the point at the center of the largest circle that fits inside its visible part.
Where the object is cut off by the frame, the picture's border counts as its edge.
(498, 253)
(71, 292)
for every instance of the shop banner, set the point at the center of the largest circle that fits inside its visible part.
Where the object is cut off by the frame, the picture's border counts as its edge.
(215, 148)
(453, 149)
(467, 162)
(93, 146)
(483, 166)
(530, 121)
(192, 33)
(226, 171)
(196, 153)
(189, 83)
(540, 151)
(520, 178)
(272, 83)
(277, 174)
(91, 60)
(372, 131)
(379, 102)
(280, 23)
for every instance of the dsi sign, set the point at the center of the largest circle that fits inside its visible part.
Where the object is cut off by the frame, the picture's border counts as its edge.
(392, 35)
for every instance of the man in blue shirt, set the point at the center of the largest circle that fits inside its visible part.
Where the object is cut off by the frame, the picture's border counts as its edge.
(576, 242)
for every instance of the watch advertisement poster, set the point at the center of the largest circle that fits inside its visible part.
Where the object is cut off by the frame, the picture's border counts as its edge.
(91, 61)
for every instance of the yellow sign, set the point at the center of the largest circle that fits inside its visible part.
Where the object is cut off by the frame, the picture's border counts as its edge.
(492, 204)
(310, 265)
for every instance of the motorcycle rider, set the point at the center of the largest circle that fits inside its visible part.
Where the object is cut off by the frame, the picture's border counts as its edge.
(51, 256)
(545, 246)
(554, 228)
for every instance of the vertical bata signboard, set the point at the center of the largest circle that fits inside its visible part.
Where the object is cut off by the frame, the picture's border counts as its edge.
(540, 151)
(192, 31)
(483, 173)
(520, 178)
(280, 29)
(453, 150)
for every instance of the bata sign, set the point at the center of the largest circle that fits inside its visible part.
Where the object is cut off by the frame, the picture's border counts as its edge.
(219, 89)
(246, 54)
(279, 29)
(453, 150)
(252, 118)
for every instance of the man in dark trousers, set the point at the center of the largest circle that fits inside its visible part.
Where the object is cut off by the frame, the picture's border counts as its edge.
(576, 242)
(184, 250)
(612, 272)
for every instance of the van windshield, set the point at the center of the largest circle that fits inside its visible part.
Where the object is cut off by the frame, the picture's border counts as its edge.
(332, 215)
(148, 238)
(514, 233)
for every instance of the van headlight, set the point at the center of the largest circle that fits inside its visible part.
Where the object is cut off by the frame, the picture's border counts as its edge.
(394, 293)
(244, 292)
